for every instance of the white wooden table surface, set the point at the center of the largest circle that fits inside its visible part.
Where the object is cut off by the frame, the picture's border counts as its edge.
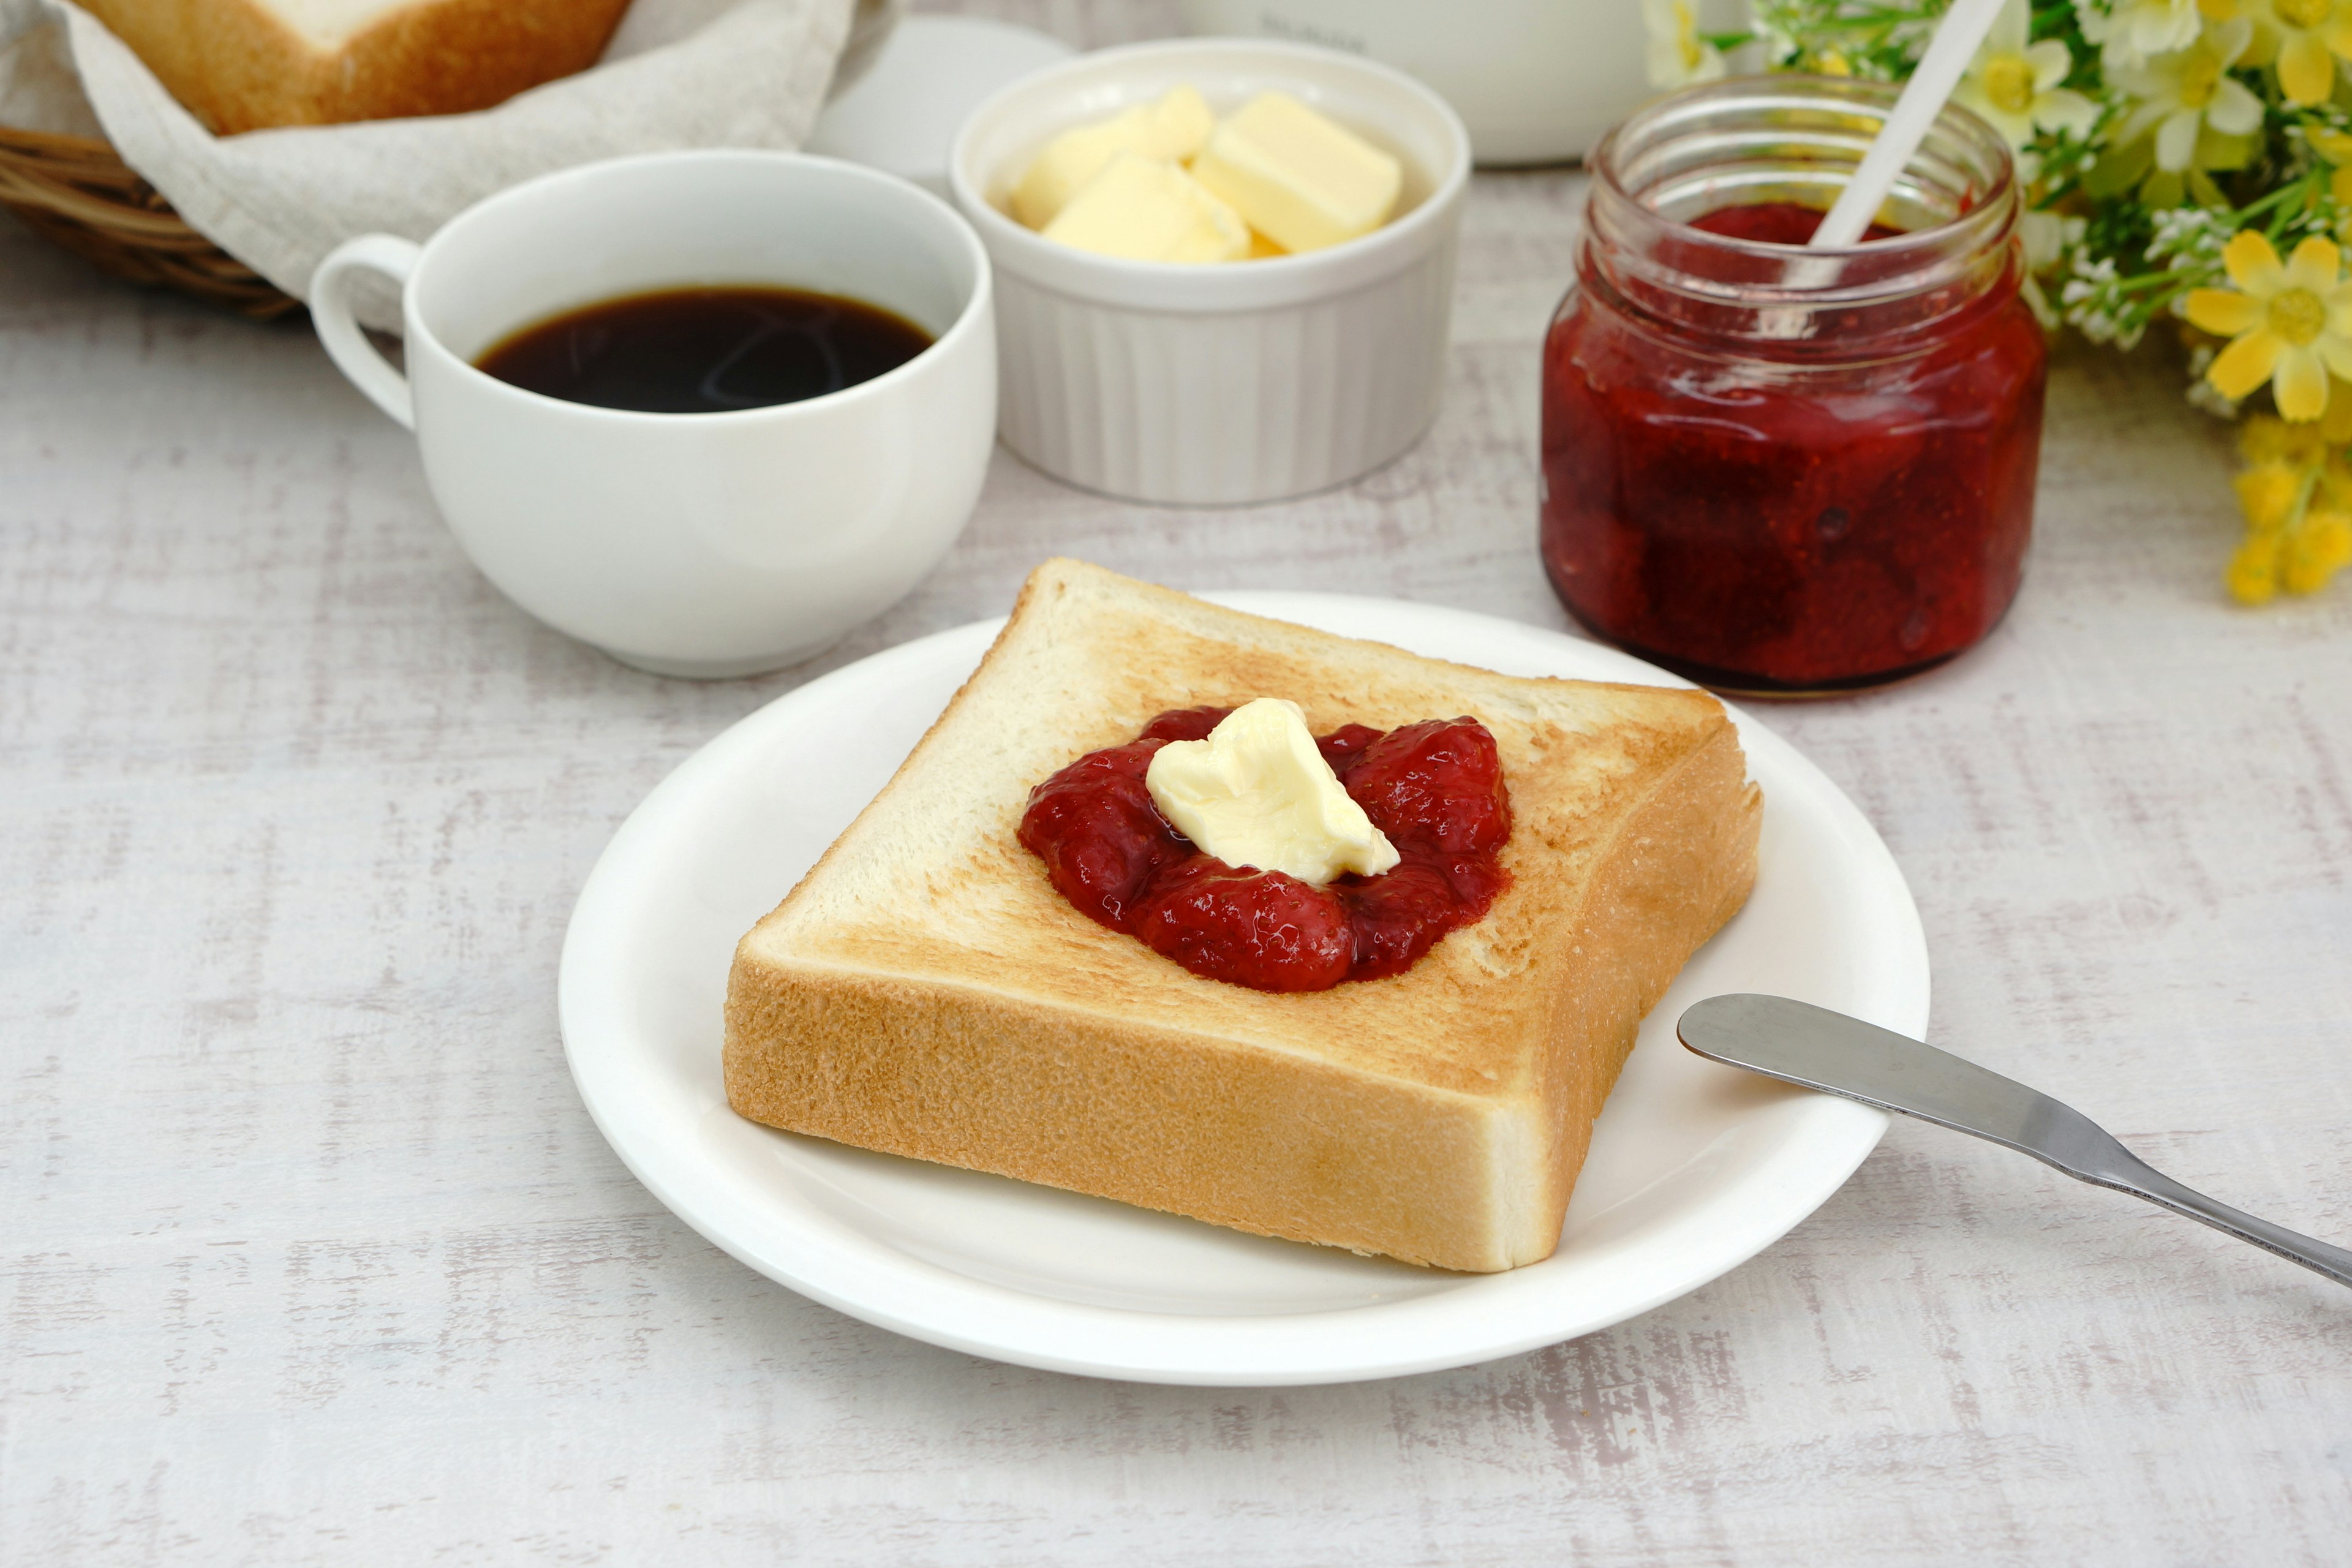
(310, 1254)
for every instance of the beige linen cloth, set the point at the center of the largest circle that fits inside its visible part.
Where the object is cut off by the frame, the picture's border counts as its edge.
(678, 73)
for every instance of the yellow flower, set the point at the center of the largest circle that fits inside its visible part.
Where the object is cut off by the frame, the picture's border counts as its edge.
(2182, 93)
(1833, 62)
(2254, 571)
(2014, 83)
(1677, 55)
(2334, 492)
(2266, 438)
(2134, 30)
(2316, 551)
(2336, 148)
(2296, 493)
(2336, 424)
(2263, 50)
(2288, 325)
(2310, 34)
(2266, 494)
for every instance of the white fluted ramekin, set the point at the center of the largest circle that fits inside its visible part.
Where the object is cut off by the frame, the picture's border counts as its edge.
(1232, 382)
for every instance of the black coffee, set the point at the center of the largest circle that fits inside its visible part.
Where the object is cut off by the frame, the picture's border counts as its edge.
(707, 351)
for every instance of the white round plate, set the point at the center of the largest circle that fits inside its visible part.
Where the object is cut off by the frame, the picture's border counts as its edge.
(1695, 1167)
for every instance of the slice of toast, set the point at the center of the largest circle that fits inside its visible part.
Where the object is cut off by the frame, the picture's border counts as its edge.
(243, 65)
(925, 991)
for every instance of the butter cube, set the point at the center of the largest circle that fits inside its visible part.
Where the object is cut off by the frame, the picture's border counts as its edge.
(1171, 129)
(1257, 792)
(1147, 210)
(1296, 177)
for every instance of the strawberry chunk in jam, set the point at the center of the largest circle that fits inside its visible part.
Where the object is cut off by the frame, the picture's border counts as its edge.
(1102, 840)
(1436, 788)
(1260, 928)
(1438, 782)
(1184, 724)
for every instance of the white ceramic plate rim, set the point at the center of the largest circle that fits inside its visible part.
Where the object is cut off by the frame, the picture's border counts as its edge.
(637, 1104)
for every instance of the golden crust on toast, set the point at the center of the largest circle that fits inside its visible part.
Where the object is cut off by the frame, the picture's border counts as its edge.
(926, 991)
(245, 65)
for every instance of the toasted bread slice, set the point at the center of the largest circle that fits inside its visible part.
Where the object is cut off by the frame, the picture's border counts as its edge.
(925, 990)
(243, 65)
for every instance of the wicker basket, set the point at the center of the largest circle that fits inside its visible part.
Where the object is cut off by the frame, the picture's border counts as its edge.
(75, 190)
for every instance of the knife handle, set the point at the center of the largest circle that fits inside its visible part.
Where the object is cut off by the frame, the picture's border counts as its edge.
(2131, 1175)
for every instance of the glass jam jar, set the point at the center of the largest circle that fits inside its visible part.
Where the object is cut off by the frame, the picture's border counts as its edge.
(1783, 471)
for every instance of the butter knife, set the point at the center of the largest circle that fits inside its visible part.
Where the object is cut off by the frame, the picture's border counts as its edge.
(1813, 1048)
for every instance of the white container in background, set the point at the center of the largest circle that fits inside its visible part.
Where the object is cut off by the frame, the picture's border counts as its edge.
(1537, 81)
(1232, 382)
(903, 115)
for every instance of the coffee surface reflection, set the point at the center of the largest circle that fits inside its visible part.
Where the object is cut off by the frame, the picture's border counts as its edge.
(705, 350)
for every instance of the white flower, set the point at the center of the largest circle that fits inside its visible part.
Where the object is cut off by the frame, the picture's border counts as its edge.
(1776, 44)
(2047, 236)
(2182, 92)
(2303, 37)
(2014, 84)
(1678, 55)
(2136, 29)
(2187, 235)
(2203, 394)
(2095, 301)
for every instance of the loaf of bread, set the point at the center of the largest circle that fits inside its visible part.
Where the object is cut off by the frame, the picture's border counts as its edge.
(243, 65)
(926, 992)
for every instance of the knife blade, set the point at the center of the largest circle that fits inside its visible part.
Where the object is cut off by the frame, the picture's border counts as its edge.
(1814, 1048)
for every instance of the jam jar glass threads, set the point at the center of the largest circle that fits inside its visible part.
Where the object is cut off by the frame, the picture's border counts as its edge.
(1783, 471)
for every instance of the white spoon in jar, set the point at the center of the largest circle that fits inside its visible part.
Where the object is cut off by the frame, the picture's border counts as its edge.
(1957, 37)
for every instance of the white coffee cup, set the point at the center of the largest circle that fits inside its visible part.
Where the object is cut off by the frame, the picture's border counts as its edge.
(694, 544)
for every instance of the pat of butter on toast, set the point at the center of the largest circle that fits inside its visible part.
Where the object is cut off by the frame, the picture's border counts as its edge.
(925, 992)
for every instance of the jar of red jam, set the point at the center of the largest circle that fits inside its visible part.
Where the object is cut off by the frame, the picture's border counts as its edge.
(1784, 471)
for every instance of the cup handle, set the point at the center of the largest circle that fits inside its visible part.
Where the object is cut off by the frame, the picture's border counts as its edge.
(346, 344)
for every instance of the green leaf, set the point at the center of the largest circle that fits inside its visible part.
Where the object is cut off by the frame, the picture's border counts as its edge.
(2219, 150)
(2119, 169)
